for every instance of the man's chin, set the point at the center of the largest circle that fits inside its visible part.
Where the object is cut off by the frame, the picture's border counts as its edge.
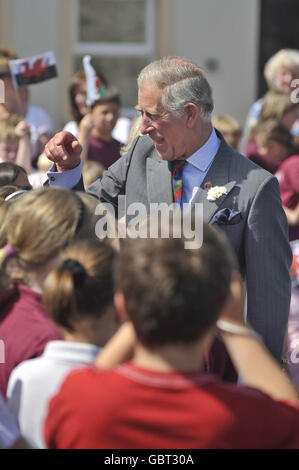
(164, 156)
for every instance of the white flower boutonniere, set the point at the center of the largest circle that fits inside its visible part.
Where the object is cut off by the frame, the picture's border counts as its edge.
(216, 192)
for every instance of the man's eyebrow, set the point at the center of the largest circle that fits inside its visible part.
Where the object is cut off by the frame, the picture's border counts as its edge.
(137, 107)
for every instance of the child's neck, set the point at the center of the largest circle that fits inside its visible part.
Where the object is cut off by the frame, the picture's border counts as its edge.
(183, 358)
(35, 279)
(107, 137)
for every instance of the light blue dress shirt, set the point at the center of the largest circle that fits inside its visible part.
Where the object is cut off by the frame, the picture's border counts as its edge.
(67, 179)
(198, 166)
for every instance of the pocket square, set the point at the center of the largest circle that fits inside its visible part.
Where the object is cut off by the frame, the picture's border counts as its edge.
(227, 217)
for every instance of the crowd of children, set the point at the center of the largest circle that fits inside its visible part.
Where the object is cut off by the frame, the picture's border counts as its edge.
(140, 319)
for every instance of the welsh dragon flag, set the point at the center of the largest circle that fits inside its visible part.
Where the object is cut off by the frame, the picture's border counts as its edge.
(33, 69)
(94, 86)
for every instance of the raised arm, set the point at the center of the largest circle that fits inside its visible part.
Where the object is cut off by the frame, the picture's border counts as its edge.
(64, 150)
(119, 349)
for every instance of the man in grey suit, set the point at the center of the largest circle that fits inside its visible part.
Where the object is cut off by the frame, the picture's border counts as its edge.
(175, 102)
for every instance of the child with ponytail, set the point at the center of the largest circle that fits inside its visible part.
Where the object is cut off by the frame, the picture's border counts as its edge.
(78, 296)
(37, 227)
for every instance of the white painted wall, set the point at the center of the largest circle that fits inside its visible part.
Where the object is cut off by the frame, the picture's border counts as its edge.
(228, 31)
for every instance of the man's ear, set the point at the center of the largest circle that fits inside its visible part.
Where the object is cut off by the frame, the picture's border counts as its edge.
(192, 113)
(120, 305)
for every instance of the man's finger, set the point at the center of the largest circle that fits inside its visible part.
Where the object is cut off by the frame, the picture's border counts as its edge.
(77, 147)
(63, 138)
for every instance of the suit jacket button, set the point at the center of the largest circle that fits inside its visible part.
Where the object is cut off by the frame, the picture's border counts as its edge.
(52, 178)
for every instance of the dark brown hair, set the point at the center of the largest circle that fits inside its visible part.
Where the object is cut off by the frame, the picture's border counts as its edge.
(111, 95)
(173, 294)
(78, 79)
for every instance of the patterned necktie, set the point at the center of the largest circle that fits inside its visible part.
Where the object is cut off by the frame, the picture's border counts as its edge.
(177, 180)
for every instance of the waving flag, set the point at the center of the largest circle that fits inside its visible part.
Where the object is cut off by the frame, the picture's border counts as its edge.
(33, 69)
(94, 86)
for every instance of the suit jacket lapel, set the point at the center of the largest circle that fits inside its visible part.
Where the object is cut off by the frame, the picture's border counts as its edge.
(217, 175)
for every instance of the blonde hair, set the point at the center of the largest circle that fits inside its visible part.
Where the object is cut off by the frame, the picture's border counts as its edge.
(283, 58)
(273, 130)
(4, 206)
(95, 208)
(43, 163)
(228, 126)
(91, 171)
(134, 132)
(8, 127)
(6, 191)
(275, 105)
(42, 222)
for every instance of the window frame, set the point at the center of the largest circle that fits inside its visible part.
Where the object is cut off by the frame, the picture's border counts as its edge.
(117, 49)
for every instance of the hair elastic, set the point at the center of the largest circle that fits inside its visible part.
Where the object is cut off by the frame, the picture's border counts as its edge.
(77, 270)
(9, 250)
(16, 193)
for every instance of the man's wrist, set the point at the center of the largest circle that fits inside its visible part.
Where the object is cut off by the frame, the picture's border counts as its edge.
(67, 178)
(61, 169)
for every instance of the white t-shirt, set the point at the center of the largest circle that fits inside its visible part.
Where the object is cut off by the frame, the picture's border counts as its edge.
(32, 383)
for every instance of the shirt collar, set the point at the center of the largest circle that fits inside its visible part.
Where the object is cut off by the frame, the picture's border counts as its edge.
(65, 350)
(204, 156)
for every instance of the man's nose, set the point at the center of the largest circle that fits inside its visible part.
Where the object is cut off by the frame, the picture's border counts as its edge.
(146, 125)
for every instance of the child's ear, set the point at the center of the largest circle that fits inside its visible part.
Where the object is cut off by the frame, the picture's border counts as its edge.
(120, 305)
(15, 271)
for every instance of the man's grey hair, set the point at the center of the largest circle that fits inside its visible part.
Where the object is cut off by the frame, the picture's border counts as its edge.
(182, 82)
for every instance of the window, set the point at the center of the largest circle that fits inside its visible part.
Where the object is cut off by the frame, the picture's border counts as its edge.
(119, 37)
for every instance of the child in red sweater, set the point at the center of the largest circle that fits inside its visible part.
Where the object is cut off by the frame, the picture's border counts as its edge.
(162, 399)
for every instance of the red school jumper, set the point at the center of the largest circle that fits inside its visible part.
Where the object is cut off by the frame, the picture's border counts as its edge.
(130, 408)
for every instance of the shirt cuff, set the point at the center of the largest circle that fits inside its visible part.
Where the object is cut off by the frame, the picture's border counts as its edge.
(66, 179)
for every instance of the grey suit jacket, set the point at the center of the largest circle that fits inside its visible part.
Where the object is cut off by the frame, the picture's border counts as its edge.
(260, 239)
